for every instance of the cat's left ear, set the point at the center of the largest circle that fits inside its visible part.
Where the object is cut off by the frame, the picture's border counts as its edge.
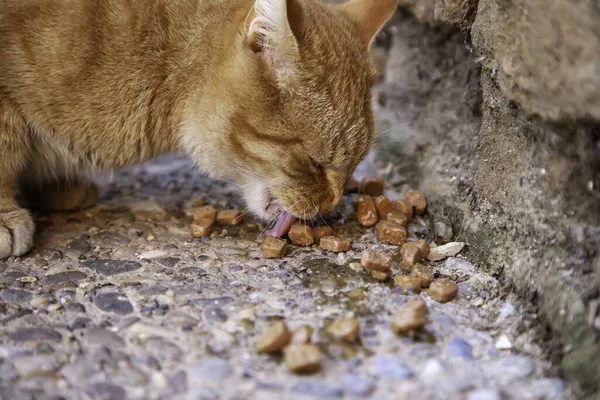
(274, 32)
(369, 16)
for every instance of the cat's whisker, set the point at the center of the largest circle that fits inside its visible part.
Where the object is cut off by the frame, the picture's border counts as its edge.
(387, 131)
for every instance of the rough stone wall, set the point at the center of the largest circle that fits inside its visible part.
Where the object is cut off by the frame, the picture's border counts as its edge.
(526, 189)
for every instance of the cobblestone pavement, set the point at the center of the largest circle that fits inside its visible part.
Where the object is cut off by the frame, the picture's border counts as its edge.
(118, 302)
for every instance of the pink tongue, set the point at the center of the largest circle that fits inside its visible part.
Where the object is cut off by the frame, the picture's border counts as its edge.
(283, 225)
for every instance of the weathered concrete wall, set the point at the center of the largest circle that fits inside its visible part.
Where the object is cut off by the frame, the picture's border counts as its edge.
(525, 190)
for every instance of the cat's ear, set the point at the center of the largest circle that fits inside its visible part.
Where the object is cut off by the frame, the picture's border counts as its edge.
(369, 16)
(273, 32)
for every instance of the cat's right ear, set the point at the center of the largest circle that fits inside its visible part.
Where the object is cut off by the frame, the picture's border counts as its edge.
(368, 16)
(272, 33)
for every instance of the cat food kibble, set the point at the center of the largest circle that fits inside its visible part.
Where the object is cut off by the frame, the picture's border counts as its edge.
(320, 232)
(201, 228)
(204, 212)
(274, 247)
(301, 235)
(443, 290)
(334, 244)
(359, 199)
(417, 200)
(382, 275)
(372, 185)
(397, 217)
(367, 213)
(302, 358)
(275, 338)
(404, 208)
(423, 273)
(410, 256)
(390, 232)
(408, 283)
(302, 334)
(229, 217)
(410, 317)
(383, 206)
(374, 261)
(344, 329)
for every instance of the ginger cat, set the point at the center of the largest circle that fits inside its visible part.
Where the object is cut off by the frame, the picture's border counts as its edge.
(271, 94)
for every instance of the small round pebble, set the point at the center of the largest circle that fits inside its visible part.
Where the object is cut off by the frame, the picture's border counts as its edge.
(275, 338)
(409, 283)
(346, 329)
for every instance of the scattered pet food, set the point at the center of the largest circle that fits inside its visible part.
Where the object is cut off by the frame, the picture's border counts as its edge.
(229, 217)
(346, 329)
(301, 235)
(410, 317)
(374, 261)
(204, 212)
(275, 338)
(443, 290)
(397, 217)
(302, 358)
(390, 232)
(404, 208)
(334, 244)
(302, 335)
(383, 206)
(274, 247)
(359, 199)
(408, 283)
(201, 228)
(372, 186)
(320, 232)
(417, 201)
(382, 275)
(423, 273)
(367, 213)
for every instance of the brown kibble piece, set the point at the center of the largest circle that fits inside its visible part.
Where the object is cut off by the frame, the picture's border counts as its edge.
(201, 228)
(301, 235)
(351, 186)
(374, 261)
(383, 206)
(423, 247)
(344, 329)
(404, 207)
(410, 256)
(334, 244)
(274, 247)
(204, 212)
(411, 316)
(443, 290)
(382, 275)
(423, 273)
(359, 199)
(372, 185)
(410, 283)
(397, 217)
(302, 358)
(417, 200)
(320, 232)
(229, 217)
(275, 338)
(302, 334)
(367, 213)
(390, 232)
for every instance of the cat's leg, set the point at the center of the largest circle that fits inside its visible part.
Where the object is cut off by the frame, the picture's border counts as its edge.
(56, 179)
(16, 224)
(61, 195)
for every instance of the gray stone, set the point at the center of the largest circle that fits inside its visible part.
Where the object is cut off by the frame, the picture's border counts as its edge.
(153, 290)
(34, 334)
(75, 307)
(34, 365)
(210, 370)
(178, 382)
(113, 302)
(316, 389)
(357, 385)
(73, 276)
(3, 267)
(109, 239)
(485, 394)
(97, 336)
(16, 296)
(203, 394)
(105, 391)
(515, 367)
(215, 301)
(214, 314)
(391, 367)
(162, 349)
(112, 267)
(460, 348)
(168, 262)
(79, 245)
(547, 388)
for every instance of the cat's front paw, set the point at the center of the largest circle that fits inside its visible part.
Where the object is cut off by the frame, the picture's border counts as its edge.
(16, 233)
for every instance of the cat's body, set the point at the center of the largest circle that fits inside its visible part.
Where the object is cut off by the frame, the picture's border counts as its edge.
(258, 92)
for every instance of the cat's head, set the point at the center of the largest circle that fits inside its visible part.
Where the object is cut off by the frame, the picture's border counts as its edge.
(297, 136)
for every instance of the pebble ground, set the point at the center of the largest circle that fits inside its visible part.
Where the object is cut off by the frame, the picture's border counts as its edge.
(118, 302)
